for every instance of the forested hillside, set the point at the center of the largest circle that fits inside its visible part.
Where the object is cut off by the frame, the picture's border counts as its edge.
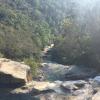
(27, 26)
(80, 42)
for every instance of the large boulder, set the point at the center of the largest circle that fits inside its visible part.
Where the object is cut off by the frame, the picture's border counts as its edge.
(13, 73)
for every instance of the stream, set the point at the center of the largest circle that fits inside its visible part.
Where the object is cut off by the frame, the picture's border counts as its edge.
(59, 82)
(53, 71)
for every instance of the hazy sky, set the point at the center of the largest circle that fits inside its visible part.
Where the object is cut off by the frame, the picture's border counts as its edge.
(84, 7)
(87, 3)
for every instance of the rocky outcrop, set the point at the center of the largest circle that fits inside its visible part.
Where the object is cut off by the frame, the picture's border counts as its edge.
(72, 90)
(58, 90)
(13, 73)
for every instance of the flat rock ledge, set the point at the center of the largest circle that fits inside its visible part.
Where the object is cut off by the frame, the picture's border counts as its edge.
(61, 90)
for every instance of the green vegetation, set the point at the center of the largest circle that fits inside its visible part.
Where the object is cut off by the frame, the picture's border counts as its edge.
(72, 50)
(22, 33)
(33, 64)
(80, 41)
(27, 26)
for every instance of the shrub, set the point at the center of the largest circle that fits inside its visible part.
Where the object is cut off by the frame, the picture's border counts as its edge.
(33, 64)
(73, 50)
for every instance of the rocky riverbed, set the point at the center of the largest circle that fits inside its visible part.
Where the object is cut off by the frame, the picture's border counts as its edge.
(57, 90)
(56, 82)
(52, 71)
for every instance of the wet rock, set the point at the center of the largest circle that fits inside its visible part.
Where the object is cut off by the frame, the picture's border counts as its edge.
(58, 90)
(55, 96)
(69, 86)
(74, 85)
(85, 93)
